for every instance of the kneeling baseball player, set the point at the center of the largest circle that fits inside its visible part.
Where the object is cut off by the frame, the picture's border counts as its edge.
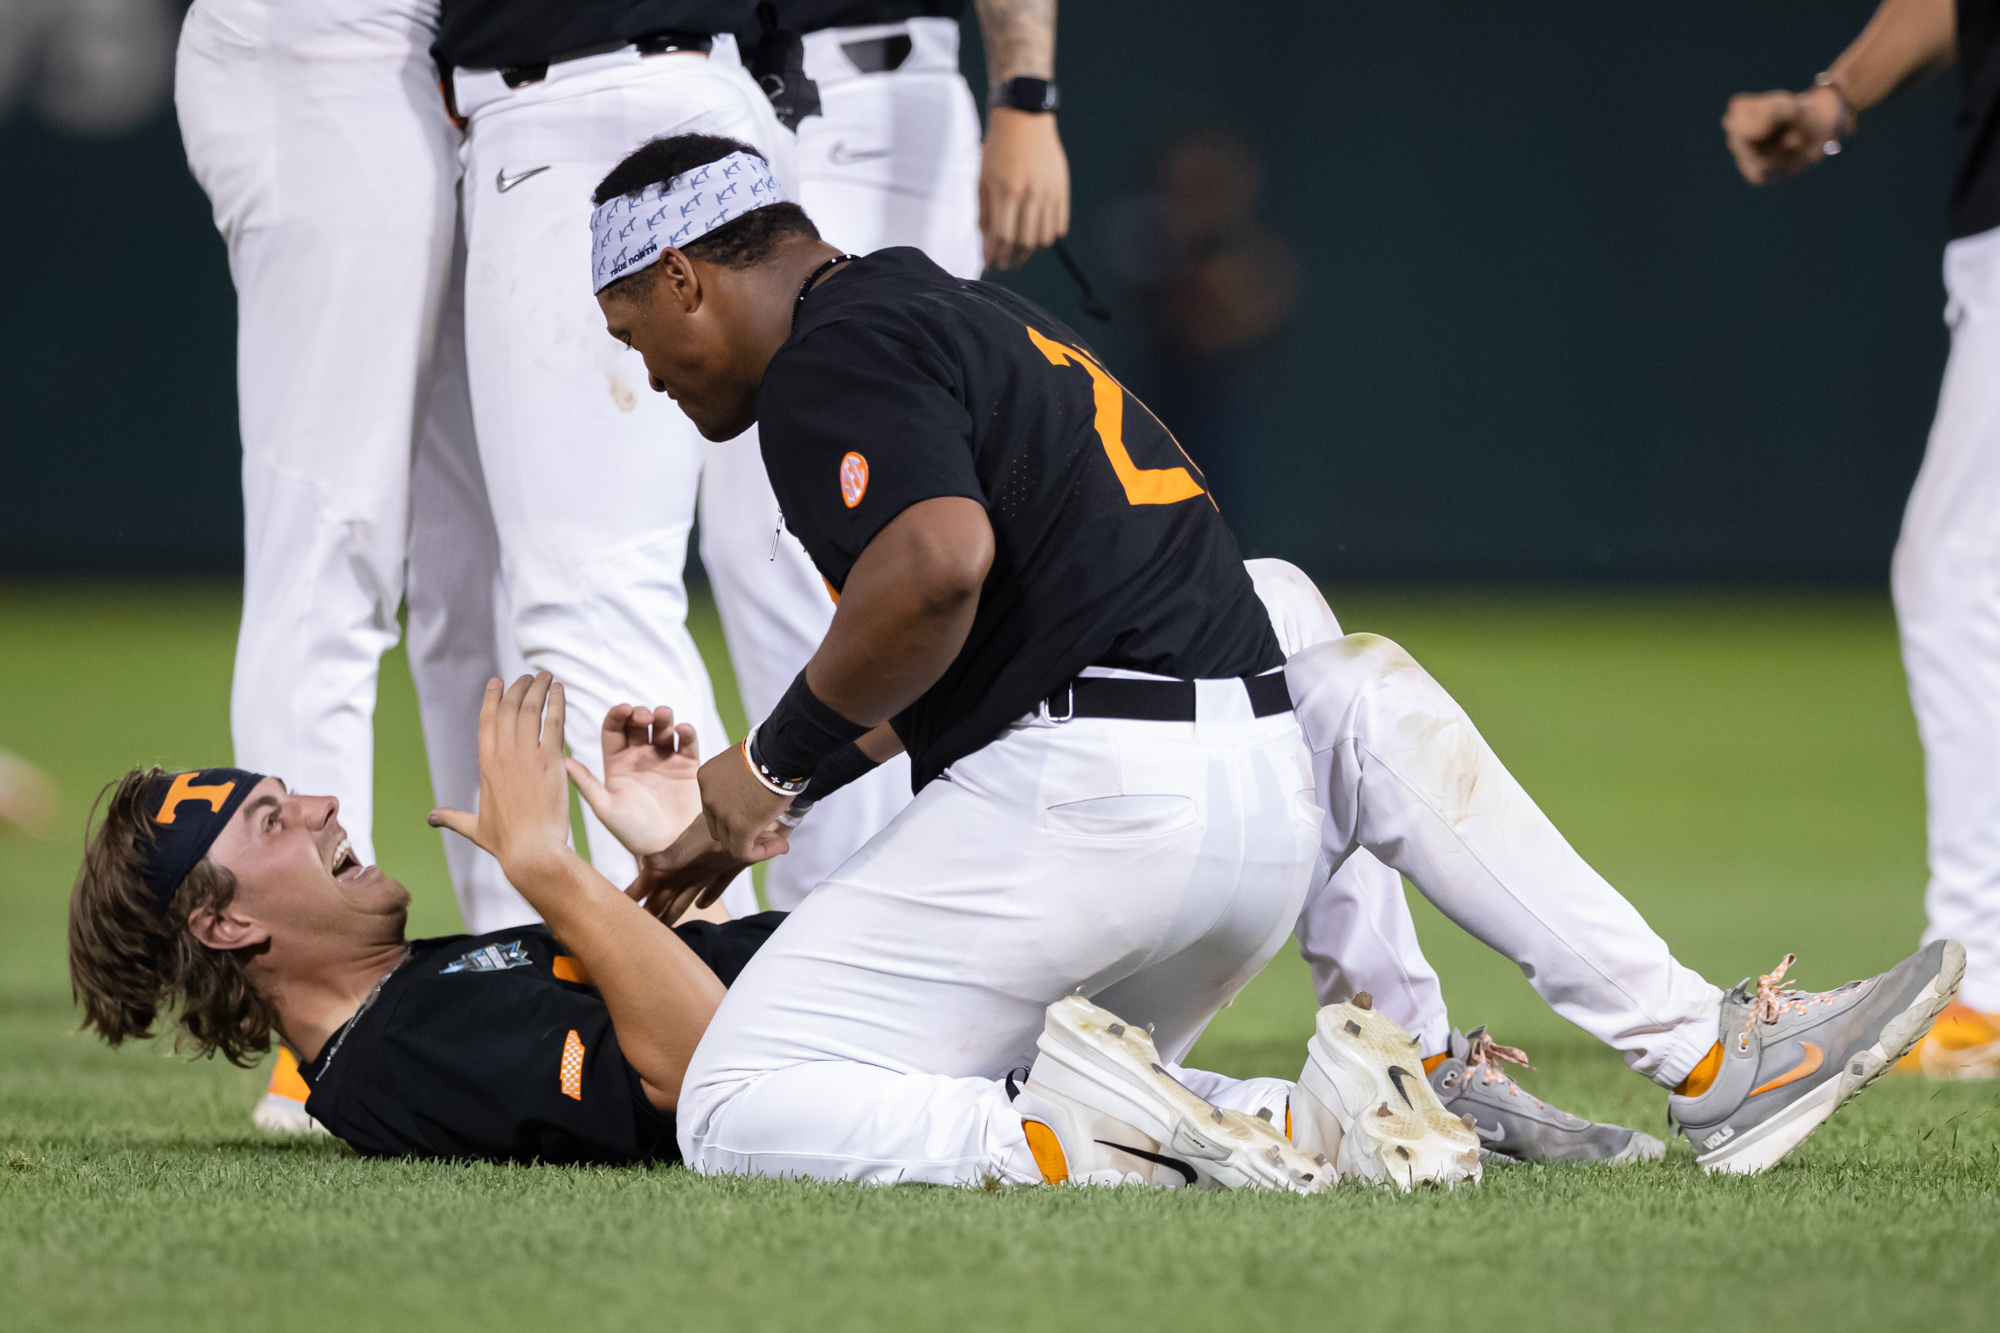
(1041, 605)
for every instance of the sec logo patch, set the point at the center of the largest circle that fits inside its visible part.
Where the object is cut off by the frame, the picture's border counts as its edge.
(853, 479)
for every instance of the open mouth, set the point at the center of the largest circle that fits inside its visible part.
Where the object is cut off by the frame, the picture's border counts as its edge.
(346, 865)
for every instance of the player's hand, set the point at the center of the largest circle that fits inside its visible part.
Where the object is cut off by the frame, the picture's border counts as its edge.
(691, 873)
(649, 792)
(1023, 186)
(523, 817)
(739, 809)
(1776, 134)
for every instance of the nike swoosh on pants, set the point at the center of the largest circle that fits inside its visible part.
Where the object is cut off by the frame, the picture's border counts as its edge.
(503, 182)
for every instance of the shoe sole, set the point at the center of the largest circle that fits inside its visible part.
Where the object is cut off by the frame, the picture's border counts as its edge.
(1368, 1074)
(282, 1115)
(1643, 1148)
(1765, 1146)
(1091, 1057)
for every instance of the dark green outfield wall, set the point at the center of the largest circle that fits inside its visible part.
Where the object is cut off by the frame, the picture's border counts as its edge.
(1544, 331)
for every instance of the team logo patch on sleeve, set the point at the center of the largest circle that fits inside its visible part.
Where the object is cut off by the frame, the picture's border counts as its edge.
(491, 958)
(572, 1066)
(853, 479)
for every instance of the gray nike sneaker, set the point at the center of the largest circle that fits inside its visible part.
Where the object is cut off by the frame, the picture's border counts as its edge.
(1790, 1060)
(1515, 1126)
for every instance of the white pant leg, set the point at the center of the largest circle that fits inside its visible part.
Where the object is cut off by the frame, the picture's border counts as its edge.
(318, 135)
(591, 475)
(775, 610)
(455, 601)
(893, 157)
(1248, 1095)
(1158, 866)
(1403, 772)
(1356, 931)
(1946, 578)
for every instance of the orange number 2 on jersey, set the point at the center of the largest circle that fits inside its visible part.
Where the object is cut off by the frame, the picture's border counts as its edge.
(1143, 485)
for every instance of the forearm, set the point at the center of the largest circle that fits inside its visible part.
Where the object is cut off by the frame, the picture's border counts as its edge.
(659, 994)
(905, 612)
(1904, 39)
(1020, 39)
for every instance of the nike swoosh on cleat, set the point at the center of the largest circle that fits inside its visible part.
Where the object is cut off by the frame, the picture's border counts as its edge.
(503, 182)
(1396, 1075)
(1493, 1135)
(1815, 1057)
(841, 155)
(1187, 1172)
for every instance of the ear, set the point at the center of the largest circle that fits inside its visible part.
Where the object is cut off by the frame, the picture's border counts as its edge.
(225, 929)
(678, 281)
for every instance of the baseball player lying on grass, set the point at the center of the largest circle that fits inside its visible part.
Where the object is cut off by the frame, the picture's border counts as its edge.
(245, 903)
(242, 902)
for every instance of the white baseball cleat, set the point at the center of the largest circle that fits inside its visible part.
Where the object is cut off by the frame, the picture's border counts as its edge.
(1365, 1104)
(1100, 1108)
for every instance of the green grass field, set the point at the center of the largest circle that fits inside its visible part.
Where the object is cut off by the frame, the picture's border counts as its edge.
(1744, 767)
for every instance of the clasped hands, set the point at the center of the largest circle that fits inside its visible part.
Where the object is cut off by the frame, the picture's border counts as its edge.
(693, 826)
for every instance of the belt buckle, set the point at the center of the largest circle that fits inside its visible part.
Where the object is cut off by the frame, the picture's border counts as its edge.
(1048, 714)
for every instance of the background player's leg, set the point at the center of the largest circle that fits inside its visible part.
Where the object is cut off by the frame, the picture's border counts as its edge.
(331, 182)
(455, 604)
(1947, 586)
(866, 1040)
(775, 609)
(1403, 772)
(591, 475)
(893, 157)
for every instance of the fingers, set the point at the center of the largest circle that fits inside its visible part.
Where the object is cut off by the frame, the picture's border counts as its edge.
(489, 717)
(586, 782)
(552, 727)
(458, 821)
(617, 730)
(528, 721)
(685, 742)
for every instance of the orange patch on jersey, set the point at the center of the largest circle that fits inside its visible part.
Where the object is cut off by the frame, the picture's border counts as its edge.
(567, 968)
(853, 479)
(572, 1066)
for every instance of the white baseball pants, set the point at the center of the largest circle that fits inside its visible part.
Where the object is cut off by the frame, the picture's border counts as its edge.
(1158, 866)
(1356, 931)
(893, 156)
(591, 476)
(1402, 772)
(316, 130)
(893, 159)
(1946, 579)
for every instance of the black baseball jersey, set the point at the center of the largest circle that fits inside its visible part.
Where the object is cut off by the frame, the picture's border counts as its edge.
(499, 34)
(495, 1046)
(1975, 188)
(900, 383)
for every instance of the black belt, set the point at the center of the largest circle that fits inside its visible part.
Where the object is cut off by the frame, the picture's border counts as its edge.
(878, 55)
(1156, 700)
(649, 44)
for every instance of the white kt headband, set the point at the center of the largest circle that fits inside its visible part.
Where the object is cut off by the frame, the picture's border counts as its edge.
(628, 233)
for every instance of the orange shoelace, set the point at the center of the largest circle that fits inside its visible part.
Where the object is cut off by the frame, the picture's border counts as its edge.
(1486, 1055)
(1775, 997)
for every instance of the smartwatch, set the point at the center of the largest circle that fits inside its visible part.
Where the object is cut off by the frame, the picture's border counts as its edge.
(1025, 94)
